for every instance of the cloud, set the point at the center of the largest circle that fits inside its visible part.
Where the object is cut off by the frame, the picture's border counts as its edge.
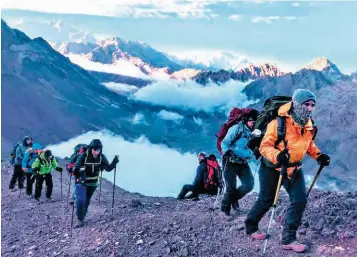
(295, 4)
(166, 115)
(120, 88)
(188, 95)
(121, 67)
(138, 118)
(270, 19)
(235, 17)
(146, 168)
(122, 8)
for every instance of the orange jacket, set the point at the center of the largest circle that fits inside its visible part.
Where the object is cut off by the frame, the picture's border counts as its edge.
(298, 143)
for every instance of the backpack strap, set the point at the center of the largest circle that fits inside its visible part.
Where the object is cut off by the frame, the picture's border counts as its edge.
(281, 131)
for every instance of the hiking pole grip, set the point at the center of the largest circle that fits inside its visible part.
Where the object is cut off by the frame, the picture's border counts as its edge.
(315, 178)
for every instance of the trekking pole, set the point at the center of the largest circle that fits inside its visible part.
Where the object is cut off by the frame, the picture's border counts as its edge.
(100, 184)
(61, 185)
(69, 188)
(115, 171)
(315, 178)
(282, 173)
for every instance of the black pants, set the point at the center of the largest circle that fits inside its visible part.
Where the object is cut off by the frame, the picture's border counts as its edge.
(297, 193)
(18, 176)
(232, 193)
(196, 191)
(39, 182)
(30, 178)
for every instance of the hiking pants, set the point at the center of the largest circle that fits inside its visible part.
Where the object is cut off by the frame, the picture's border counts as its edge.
(30, 178)
(232, 193)
(49, 184)
(83, 195)
(18, 176)
(195, 191)
(296, 189)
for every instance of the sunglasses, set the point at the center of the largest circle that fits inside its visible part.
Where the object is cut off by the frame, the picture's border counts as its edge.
(309, 104)
(96, 150)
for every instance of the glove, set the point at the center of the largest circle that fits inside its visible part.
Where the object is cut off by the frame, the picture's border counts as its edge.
(115, 160)
(283, 158)
(323, 160)
(36, 170)
(24, 169)
(60, 169)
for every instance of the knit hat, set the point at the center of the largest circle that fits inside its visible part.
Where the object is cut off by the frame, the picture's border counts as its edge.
(300, 96)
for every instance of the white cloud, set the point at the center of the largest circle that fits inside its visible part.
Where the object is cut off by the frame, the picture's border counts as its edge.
(295, 4)
(216, 59)
(121, 67)
(121, 88)
(235, 17)
(270, 19)
(143, 166)
(198, 121)
(166, 115)
(190, 95)
(138, 118)
(121, 8)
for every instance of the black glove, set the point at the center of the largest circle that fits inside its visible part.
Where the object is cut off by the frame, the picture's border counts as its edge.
(115, 160)
(283, 158)
(323, 160)
(58, 168)
(36, 170)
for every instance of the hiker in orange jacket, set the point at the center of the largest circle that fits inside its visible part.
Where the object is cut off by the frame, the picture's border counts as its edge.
(298, 141)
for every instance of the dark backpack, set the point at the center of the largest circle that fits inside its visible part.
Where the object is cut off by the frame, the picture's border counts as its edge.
(78, 150)
(13, 152)
(269, 113)
(235, 116)
(213, 173)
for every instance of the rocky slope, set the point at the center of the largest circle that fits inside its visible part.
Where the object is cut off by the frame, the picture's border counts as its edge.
(153, 226)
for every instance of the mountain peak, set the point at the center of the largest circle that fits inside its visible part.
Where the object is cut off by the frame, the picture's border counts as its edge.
(326, 66)
(319, 64)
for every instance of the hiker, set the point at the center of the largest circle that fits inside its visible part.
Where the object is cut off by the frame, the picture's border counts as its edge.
(78, 150)
(289, 149)
(207, 179)
(87, 169)
(16, 158)
(29, 158)
(42, 167)
(235, 163)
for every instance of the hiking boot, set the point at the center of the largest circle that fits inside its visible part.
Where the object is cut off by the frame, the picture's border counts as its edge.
(49, 199)
(195, 198)
(225, 215)
(235, 207)
(258, 235)
(12, 189)
(80, 223)
(71, 201)
(295, 246)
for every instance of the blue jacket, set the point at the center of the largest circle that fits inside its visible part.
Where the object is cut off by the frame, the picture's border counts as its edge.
(240, 147)
(200, 174)
(20, 151)
(26, 163)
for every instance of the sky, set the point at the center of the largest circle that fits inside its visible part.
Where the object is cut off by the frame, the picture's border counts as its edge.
(290, 33)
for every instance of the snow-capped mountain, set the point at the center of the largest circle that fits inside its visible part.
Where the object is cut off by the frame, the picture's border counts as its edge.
(248, 73)
(209, 60)
(327, 67)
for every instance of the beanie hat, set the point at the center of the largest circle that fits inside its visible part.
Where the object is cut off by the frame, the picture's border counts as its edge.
(201, 156)
(300, 96)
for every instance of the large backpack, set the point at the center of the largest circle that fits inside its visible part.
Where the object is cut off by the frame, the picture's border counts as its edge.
(213, 173)
(78, 150)
(269, 113)
(235, 116)
(13, 152)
